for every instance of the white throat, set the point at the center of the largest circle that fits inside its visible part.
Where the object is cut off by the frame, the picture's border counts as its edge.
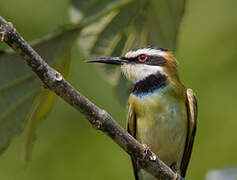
(136, 72)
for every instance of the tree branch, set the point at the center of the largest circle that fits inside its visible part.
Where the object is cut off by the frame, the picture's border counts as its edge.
(99, 118)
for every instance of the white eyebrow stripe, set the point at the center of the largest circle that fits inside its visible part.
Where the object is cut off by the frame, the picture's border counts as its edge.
(147, 51)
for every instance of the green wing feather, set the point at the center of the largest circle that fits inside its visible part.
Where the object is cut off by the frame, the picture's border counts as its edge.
(131, 125)
(192, 125)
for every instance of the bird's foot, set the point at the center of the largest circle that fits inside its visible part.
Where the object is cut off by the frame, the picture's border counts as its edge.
(177, 172)
(145, 147)
(149, 153)
(178, 177)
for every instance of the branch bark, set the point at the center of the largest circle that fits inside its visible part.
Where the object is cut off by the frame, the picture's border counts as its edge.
(98, 118)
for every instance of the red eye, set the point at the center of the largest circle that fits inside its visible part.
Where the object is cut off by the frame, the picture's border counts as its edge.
(142, 57)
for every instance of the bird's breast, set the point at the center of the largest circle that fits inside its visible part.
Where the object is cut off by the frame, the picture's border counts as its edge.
(161, 123)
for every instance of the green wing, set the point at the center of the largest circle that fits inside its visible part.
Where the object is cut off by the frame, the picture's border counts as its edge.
(131, 125)
(192, 125)
(131, 120)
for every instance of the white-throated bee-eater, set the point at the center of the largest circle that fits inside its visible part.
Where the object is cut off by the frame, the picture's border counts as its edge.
(162, 114)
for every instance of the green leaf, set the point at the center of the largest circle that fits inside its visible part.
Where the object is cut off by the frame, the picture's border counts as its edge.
(151, 22)
(91, 9)
(44, 103)
(138, 23)
(19, 86)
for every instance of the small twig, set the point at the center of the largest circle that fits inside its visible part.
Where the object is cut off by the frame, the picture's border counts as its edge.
(99, 118)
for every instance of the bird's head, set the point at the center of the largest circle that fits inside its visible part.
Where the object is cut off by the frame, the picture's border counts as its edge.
(143, 62)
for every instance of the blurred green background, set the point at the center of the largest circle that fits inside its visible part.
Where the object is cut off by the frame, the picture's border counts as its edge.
(67, 147)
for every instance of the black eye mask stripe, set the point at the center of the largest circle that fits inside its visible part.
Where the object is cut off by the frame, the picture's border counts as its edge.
(151, 60)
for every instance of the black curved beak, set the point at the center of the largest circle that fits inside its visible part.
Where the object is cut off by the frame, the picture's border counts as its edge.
(109, 60)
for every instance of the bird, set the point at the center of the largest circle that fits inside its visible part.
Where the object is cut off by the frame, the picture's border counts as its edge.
(161, 112)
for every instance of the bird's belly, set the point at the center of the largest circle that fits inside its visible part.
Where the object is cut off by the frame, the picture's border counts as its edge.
(162, 125)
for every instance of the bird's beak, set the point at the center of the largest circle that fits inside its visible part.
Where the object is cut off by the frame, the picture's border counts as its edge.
(109, 60)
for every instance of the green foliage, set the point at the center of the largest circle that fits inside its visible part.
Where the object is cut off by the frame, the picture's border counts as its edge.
(67, 147)
(21, 91)
(45, 100)
(140, 22)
